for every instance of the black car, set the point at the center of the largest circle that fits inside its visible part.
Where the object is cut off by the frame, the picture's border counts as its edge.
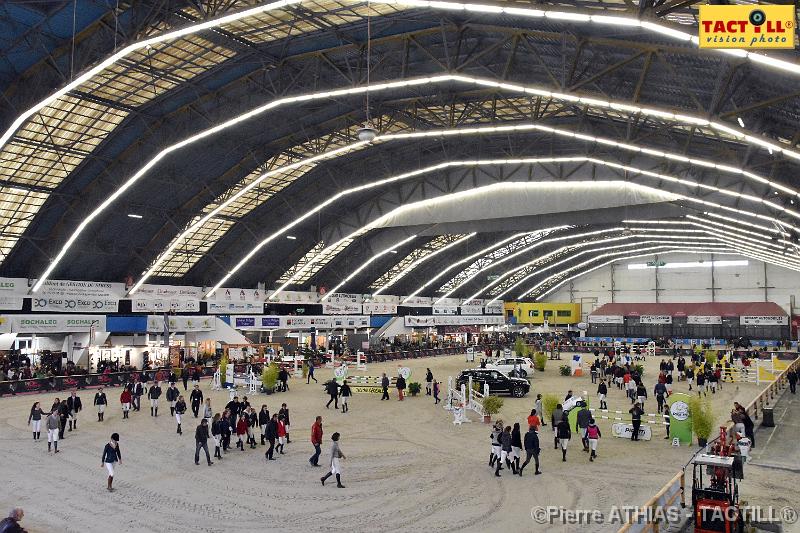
(497, 381)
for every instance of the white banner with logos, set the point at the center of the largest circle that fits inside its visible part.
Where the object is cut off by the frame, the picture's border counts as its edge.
(293, 297)
(16, 286)
(606, 319)
(426, 321)
(379, 309)
(350, 321)
(626, 430)
(234, 308)
(382, 299)
(73, 304)
(235, 294)
(703, 319)
(493, 308)
(10, 302)
(56, 323)
(181, 324)
(764, 320)
(161, 305)
(476, 301)
(445, 309)
(471, 309)
(655, 319)
(5, 324)
(416, 301)
(341, 309)
(168, 292)
(344, 298)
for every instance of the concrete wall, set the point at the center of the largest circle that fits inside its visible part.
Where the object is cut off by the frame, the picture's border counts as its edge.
(755, 282)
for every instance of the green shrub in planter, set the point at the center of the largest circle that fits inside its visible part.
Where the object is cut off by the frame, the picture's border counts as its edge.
(223, 365)
(711, 357)
(492, 405)
(414, 388)
(539, 361)
(703, 418)
(549, 403)
(269, 377)
(565, 370)
(639, 368)
(520, 348)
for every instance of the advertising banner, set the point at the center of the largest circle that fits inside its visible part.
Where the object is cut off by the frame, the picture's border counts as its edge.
(419, 321)
(5, 324)
(9, 302)
(606, 319)
(655, 319)
(379, 309)
(169, 292)
(416, 301)
(747, 26)
(344, 298)
(445, 309)
(155, 323)
(764, 320)
(293, 297)
(471, 309)
(626, 430)
(306, 322)
(425, 321)
(341, 309)
(350, 321)
(233, 294)
(493, 308)
(64, 296)
(698, 319)
(231, 308)
(382, 299)
(56, 323)
(160, 305)
(680, 418)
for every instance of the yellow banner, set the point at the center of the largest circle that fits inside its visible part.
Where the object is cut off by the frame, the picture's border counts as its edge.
(747, 26)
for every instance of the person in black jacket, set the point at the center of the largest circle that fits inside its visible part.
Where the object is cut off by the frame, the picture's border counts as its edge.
(172, 397)
(226, 430)
(111, 455)
(505, 452)
(385, 387)
(10, 524)
(272, 433)
(138, 392)
(63, 416)
(563, 434)
(252, 422)
(74, 405)
(401, 387)
(154, 394)
(428, 382)
(201, 441)
(216, 433)
(602, 391)
(345, 394)
(233, 406)
(333, 391)
(196, 397)
(636, 419)
(263, 421)
(284, 412)
(100, 402)
(180, 408)
(283, 377)
(185, 379)
(516, 445)
(531, 444)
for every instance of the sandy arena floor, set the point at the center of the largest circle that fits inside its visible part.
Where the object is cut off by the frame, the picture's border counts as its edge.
(407, 466)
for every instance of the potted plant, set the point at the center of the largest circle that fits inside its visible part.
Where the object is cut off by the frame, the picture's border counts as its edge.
(539, 361)
(414, 388)
(491, 406)
(520, 348)
(711, 357)
(269, 377)
(223, 366)
(639, 368)
(702, 419)
(549, 403)
(565, 370)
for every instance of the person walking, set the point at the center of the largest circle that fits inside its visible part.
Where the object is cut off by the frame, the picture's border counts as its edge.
(272, 434)
(207, 412)
(336, 457)
(505, 453)
(63, 416)
(660, 392)
(533, 420)
(316, 441)
(428, 382)
(531, 443)
(216, 434)
(252, 422)
(263, 422)
(283, 377)
(125, 398)
(791, 375)
(284, 412)
(332, 387)
(539, 409)
(592, 435)
(111, 455)
(494, 454)
(401, 387)
(196, 399)
(241, 431)
(36, 417)
(154, 394)
(436, 387)
(201, 441)
(310, 372)
(602, 391)
(185, 378)
(225, 428)
(636, 419)
(179, 409)
(563, 433)
(641, 394)
(385, 386)
(555, 419)
(75, 406)
(581, 423)
(281, 433)
(100, 402)
(52, 424)
(516, 446)
(345, 394)
(138, 392)
(172, 397)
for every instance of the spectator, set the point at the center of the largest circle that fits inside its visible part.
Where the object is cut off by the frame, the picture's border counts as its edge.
(11, 523)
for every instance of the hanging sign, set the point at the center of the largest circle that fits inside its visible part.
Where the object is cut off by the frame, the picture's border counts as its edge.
(699, 319)
(606, 319)
(764, 320)
(655, 319)
(680, 418)
(56, 323)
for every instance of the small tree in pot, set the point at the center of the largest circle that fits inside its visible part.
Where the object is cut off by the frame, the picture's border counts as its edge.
(491, 406)
(702, 419)
(269, 377)
(414, 388)
(539, 361)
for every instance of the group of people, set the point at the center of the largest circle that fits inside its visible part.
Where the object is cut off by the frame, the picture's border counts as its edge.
(61, 414)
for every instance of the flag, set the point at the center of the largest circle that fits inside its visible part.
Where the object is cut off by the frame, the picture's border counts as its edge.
(166, 330)
(91, 335)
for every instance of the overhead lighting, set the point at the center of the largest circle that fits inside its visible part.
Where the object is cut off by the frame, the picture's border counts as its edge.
(740, 121)
(134, 215)
(393, 251)
(291, 237)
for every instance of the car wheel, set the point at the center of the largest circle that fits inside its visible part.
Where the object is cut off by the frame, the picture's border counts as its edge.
(518, 392)
(523, 373)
